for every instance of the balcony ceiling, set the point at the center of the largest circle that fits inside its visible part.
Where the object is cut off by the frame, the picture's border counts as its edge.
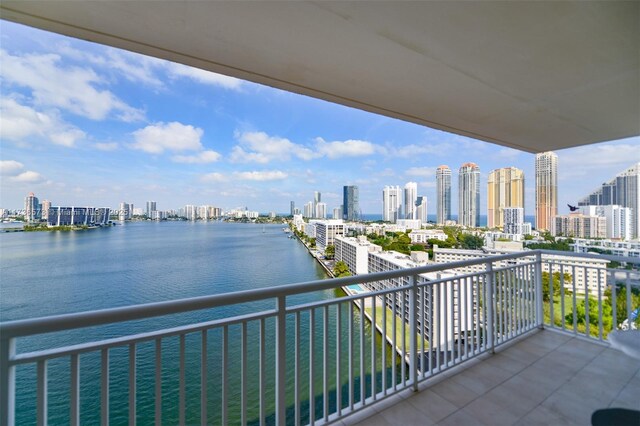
(534, 76)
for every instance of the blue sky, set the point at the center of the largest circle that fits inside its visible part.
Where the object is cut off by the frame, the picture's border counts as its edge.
(85, 124)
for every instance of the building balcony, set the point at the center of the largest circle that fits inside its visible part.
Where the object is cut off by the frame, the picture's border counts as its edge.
(502, 344)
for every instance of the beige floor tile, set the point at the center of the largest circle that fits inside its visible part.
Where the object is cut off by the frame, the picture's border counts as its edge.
(405, 414)
(542, 416)
(455, 393)
(432, 405)
(460, 417)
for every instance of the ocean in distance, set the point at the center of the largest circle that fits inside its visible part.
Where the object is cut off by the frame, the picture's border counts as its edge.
(50, 273)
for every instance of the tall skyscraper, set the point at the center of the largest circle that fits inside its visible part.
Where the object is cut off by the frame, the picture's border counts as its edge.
(350, 204)
(321, 210)
(309, 210)
(505, 188)
(410, 197)
(151, 207)
(317, 197)
(443, 196)
(123, 211)
(469, 195)
(623, 190)
(337, 212)
(293, 208)
(421, 208)
(391, 203)
(546, 189)
(31, 208)
(45, 207)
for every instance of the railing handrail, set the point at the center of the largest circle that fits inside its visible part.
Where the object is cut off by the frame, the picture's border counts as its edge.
(85, 319)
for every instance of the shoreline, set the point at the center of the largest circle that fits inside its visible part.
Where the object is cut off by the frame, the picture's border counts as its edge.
(384, 334)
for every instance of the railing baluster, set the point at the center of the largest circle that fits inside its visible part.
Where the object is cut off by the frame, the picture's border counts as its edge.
(312, 338)
(458, 317)
(281, 360)
(74, 415)
(429, 289)
(413, 317)
(203, 378)
(351, 358)
(438, 320)
(586, 302)
(296, 377)
(489, 307)
(394, 341)
(444, 307)
(42, 404)
(338, 359)
(7, 381)
(384, 344)
(403, 321)
(104, 387)
(132, 384)
(363, 392)
(158, 382)
(225, 376)
(262, 382)
(538, 300)
(243, 373)
(614, 295)
(628, 288)
(325, 363)
(600, 328)
(181, 383)
(373, 347)
(575, 311)
(562, 310)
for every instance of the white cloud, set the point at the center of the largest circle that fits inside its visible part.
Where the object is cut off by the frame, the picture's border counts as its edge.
(261, 176)
(106, 146)
(348, 148)
(200, 158)
(71, 88)
(601, 155)
(201, 76)
(28, 177)
(259, 147)
(174, 136)
(19, 122)
(214, 177)
(10, 167)
(421, 171)
(14, 171)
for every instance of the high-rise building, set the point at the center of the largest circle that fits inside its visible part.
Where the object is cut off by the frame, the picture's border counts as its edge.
(443, 196)
(391, 203)
(421, 209)
(337, 212)
(45, 207)
(317, 197)
(31, 208)
(190, 212)
(321, 210)
(505, 188)
(469, 195)
(292, 211)
(151, 207)
(623, 190)
(578, 225)
(513, 219)
(546, 189)
(123, 211)
(410, 197)
(351, 203)
(619, 223)
(308, 210)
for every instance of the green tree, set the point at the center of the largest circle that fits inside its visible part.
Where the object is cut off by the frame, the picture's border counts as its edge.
(416, 247)
(556, 285)
(341, 269)
(312, 242)
(621, 302)
(581, 315)
(330, 251)
(471, 242)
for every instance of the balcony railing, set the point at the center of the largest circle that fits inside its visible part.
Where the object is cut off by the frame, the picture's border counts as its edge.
(300, 363)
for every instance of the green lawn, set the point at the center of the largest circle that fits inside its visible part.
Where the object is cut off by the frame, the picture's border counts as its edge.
(397, 321)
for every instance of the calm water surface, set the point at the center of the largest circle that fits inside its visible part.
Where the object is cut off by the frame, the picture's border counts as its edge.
(49, 273)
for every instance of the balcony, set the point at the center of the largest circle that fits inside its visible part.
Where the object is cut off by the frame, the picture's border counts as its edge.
(495, 341)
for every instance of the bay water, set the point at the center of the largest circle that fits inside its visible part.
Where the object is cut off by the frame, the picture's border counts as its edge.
(51, 273)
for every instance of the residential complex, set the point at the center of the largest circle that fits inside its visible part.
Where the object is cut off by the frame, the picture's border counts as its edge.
(32, 208)
(579, 226)
(76, 216)
(355, 253)
(619, 220)
(469, 195)
(546, 189)
(421, 209)
(623, 190)
(505, 188)
(326, 232)
(391, 203)
(443, 194)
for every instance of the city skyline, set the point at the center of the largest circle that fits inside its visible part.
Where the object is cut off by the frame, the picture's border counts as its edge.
(84, 124)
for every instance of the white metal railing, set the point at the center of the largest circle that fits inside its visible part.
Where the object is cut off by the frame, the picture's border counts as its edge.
(292, 364)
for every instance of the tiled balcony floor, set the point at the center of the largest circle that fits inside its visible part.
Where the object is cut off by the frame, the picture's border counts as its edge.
(547, 378)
